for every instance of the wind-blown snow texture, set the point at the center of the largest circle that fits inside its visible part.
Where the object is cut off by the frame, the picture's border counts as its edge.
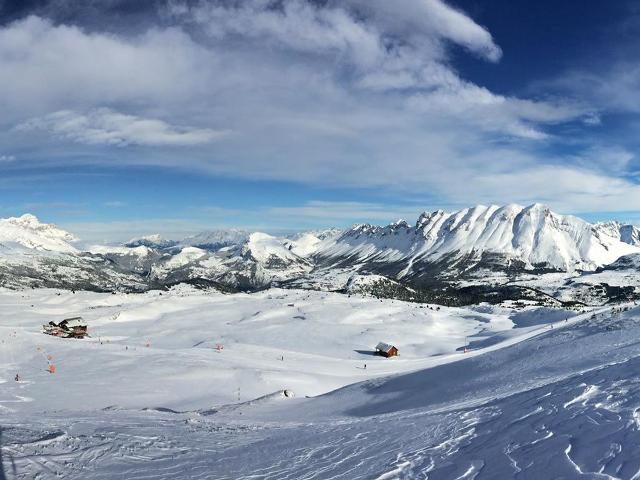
(150, 395)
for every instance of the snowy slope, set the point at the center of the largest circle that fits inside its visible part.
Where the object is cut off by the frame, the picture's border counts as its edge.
(533, 236)
(629, 234)
(150, 396)
(318, 334)
(306, 244)
(561, 405)
(628, 262)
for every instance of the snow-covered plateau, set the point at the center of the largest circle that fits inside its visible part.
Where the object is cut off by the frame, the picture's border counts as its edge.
(186, 383)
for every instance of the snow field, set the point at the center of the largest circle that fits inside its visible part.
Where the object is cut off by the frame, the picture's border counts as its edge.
(117, 408)
(192, 350)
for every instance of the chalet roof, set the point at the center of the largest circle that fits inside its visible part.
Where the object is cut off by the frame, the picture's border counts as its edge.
(384, 347)
(74, 322)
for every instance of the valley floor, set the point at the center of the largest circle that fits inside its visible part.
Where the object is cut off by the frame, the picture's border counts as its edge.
(189, 384)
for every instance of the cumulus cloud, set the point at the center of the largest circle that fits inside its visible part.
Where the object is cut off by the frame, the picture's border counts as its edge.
(107, 127)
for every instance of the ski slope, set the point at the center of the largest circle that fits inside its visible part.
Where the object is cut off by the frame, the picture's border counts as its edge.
(150, 396)
(310, 342)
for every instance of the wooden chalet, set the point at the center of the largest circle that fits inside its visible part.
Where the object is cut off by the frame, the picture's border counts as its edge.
(386, 350)
(74, 327)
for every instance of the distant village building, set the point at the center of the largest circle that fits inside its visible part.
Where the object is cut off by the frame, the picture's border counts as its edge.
(74, 327)
(386, 350)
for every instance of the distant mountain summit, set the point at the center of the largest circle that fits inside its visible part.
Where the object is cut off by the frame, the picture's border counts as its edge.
(216, 239)
(28, 232)
(531, 237)
(150, 241)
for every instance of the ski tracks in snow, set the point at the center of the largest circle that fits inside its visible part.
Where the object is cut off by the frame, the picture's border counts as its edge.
(582, 426)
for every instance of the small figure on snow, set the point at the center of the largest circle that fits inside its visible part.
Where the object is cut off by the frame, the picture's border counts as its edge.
(365, 366)
(17, 377)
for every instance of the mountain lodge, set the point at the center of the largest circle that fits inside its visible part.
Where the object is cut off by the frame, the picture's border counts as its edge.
(386, 350)
(74, 327)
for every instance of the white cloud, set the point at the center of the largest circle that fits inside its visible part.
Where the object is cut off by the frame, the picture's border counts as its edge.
(107, 127)
(337, 213)
(46, 67)
(488, 111)
(615, 88)
(390, 45)
(122, 231)
(295, 24)
(7, 158)
(354, 93)
(427, 19)
(275, 220)
(610, 160)
(564, 188)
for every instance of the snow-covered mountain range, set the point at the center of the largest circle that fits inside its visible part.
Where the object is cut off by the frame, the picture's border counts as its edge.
(439, 247)
(511, 236)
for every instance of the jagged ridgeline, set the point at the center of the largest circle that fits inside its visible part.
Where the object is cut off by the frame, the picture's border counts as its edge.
(477, 254)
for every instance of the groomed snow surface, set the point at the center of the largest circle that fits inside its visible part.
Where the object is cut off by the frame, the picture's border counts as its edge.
(189, 385)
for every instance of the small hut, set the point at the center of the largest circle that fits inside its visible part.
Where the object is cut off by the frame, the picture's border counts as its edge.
(74, 327)
(386, 350)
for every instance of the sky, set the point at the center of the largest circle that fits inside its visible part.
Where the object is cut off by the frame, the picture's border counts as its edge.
(123, 118)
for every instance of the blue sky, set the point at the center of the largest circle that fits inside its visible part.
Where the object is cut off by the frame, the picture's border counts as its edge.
(174, 117)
